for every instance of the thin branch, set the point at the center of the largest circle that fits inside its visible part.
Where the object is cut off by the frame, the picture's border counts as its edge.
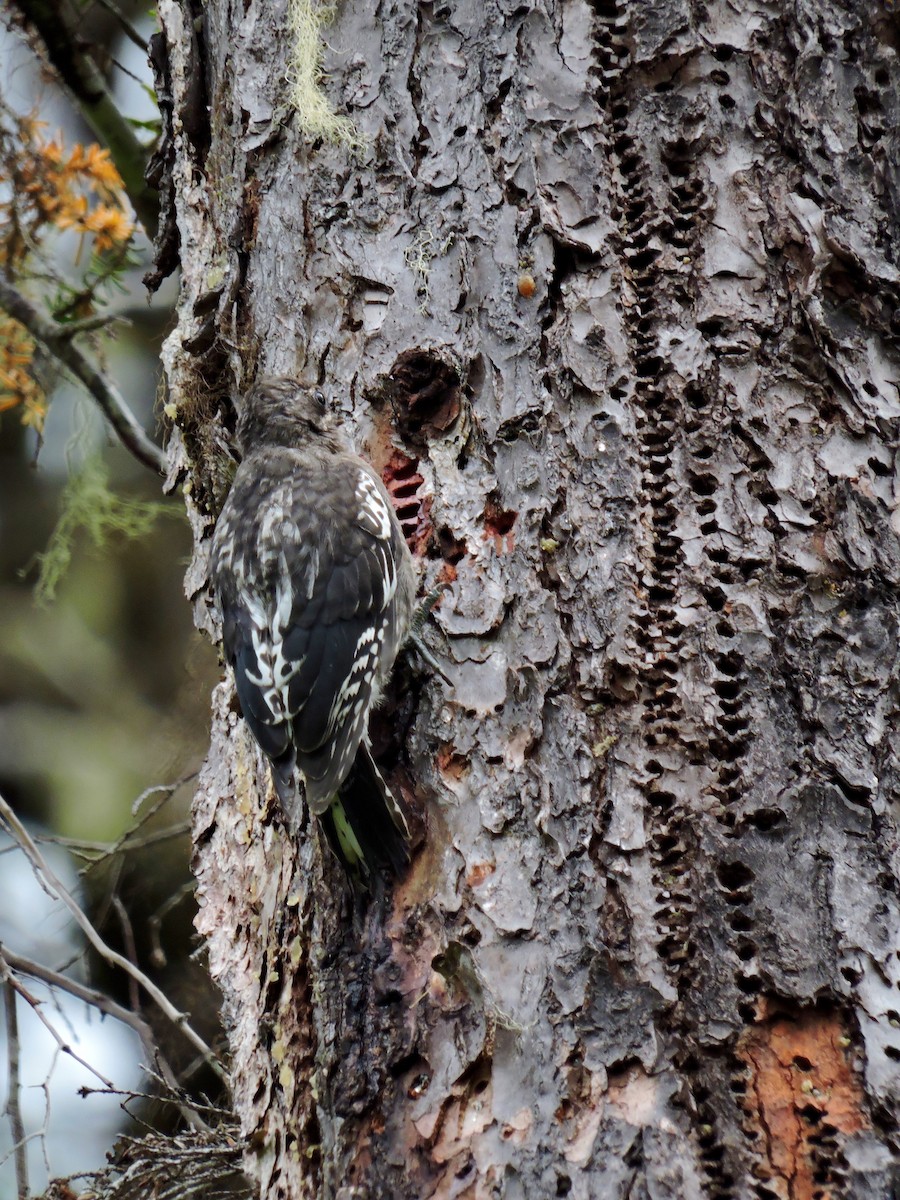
(104, 1004)
(34, 1136)
(128, 840)
(58, 342)
(172, 1167)
(128, 938)
(35, 1004)
(89, 324)
(112, 887)
(13, 1107)
(213, 1111)
(82, 991)
(127, 28)
(49, 880)
(154, 924)
(57, 25)
(179, 829)
(165, 790)
(96, 852)
(127, 72)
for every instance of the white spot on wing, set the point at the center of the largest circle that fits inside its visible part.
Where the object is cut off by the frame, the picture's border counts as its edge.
(270, 627)
(312, 571)
(374, 513)
(388, 574)
(354, 699)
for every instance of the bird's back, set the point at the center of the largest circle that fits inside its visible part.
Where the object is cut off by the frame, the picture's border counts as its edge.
(316, 590)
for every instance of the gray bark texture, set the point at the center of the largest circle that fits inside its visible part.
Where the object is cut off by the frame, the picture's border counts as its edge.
(609, 293)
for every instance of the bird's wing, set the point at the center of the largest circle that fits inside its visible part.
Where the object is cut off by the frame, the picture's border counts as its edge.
(341, 627)
(307, 612)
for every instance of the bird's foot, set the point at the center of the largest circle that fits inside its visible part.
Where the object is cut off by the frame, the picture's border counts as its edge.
(417, 624)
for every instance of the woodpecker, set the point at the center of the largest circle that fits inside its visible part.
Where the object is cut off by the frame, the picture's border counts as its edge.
(316, 588)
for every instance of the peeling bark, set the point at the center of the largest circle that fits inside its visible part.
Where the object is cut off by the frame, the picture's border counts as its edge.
(614, 286)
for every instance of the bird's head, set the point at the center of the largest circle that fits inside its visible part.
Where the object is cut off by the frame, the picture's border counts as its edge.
(280, 411)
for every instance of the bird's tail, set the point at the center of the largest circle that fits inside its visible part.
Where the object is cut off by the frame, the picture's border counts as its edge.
(364, 823)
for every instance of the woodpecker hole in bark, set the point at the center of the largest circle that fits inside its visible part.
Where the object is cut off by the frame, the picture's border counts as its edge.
(425, 394)
(403, 482)
(499, 526)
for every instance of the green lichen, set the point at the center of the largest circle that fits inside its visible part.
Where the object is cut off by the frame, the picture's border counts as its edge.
(88, 505)
(601, 749)
(419, 256)
(306, 20)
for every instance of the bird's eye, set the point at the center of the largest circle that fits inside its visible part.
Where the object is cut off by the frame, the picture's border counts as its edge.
(319, 397)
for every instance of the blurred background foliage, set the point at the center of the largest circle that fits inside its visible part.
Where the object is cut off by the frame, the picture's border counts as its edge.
(104, 689)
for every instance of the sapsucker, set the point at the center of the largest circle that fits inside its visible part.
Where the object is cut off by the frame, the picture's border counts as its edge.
(316, 587)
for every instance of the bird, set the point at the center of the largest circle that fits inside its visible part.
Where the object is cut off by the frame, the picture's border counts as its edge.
(316, 587)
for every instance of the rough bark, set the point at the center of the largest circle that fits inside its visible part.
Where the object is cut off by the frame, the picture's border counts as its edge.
(623, 277)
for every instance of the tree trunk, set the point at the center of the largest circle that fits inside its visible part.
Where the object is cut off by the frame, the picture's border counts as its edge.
(615, 286)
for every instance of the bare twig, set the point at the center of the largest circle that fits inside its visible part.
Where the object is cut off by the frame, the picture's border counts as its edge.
(179, 829)
(128, 938)
(59, 344)
(96, 852)
(35, 1136)
(154, 924)
(127, 28)
(53, 885)
(35, 1004)
(128, 839)
(82, 991)
(175, 1167)
(13, 1107)
(104, 1004)
(213, 1111)
(90, 324)
(112, 887)
(57, 26)
(164, 790)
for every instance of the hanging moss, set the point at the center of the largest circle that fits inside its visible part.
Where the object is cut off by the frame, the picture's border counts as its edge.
(89, 505)
(306, 19)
